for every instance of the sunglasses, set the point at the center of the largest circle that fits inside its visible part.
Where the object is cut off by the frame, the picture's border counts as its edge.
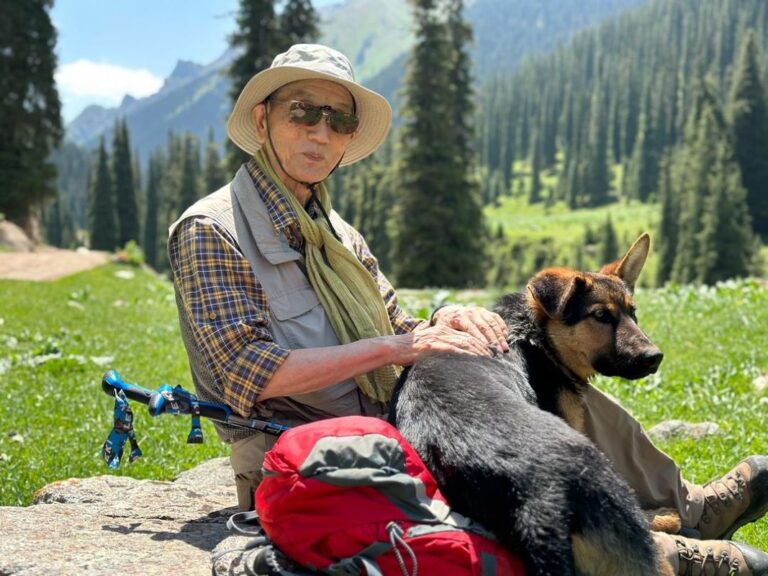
(306, 114)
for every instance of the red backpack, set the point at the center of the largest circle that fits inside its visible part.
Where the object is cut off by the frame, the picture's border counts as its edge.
(350, 496)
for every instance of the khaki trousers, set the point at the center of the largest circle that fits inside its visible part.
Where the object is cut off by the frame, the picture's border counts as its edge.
(653, 475)
(246, 458)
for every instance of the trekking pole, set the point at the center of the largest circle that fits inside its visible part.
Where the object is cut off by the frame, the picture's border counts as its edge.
(166, 400)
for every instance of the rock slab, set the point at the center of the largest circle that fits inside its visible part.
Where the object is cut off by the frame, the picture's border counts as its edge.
(679, 429)
(119, 525)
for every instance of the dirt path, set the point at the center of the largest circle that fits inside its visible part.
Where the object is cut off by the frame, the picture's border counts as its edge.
(48, 263)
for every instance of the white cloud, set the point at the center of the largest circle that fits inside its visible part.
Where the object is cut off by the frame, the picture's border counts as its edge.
(105, 82)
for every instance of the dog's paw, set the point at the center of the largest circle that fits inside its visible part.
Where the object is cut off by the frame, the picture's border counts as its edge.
(664, 520)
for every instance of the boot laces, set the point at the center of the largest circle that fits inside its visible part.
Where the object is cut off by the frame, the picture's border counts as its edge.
(694, 562)
(722, 493)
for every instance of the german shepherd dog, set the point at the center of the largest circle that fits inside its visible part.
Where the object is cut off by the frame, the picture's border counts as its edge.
(495, 431)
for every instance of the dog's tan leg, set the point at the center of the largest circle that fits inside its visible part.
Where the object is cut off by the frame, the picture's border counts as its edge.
(664, 520)
(588, 558)
(592, 559)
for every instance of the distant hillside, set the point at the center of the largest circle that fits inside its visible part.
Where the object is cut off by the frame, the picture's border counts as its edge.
(194, 97)
(372, 38)
(505, 32)
(629, 77)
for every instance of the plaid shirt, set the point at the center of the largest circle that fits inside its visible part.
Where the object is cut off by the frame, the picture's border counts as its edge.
(227, 306)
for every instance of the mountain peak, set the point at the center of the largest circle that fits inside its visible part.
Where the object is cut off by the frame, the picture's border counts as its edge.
(127, 101)
(185, 69)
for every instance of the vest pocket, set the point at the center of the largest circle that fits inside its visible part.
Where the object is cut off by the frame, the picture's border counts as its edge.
(287, 306)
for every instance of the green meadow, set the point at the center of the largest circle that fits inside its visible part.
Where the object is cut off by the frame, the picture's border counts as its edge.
(58, 338)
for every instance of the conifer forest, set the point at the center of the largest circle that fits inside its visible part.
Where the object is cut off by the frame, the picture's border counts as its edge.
(655, 119)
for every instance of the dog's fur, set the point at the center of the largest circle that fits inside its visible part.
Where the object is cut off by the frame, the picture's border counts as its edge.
(500, 434)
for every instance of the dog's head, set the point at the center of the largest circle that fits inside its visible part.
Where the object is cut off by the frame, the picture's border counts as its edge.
(589, 318)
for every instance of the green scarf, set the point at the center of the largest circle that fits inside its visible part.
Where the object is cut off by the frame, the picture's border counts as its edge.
(347, 291)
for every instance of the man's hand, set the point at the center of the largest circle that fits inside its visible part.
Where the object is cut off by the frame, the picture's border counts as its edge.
(455, 329)
(481, 324)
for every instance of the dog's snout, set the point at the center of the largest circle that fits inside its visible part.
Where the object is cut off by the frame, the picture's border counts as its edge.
(651, 359)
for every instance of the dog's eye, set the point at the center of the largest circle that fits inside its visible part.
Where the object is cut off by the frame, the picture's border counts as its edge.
(602, 315)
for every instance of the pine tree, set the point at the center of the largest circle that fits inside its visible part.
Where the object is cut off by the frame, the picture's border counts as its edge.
(138, 192)
(715, 239)
(30, 110)
(298, 23)
(703, 131)
(376, 201)
(642, 176)
(609, 244)
(257, 40)
(461, 86)
(189, 188)
(169, 187)
(102, 226)
(571, 191)
(534, 194)
(726, 236)
(68, 230)
(52, 223)
(170, 184)
(578, 255)
(124, 186)
(213, 170)
(667, 236)
(440, 227)
(72, 167)
(749, 114)
(151, 222)
(597, 177)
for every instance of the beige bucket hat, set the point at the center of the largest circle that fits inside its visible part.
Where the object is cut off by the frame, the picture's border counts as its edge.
(310, 62)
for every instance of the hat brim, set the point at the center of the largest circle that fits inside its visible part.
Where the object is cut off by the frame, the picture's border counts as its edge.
(373, 110)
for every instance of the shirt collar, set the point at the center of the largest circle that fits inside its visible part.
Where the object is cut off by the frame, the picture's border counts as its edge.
(279, 209)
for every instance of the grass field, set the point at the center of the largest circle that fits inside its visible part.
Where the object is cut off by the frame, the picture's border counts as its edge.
(564, 230)
(57, 339)
(521, 219)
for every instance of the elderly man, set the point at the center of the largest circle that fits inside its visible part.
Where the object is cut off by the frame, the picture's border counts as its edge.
(286, 316)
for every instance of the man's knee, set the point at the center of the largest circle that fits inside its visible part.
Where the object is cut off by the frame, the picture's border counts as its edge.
(246, 483)
(247, 458)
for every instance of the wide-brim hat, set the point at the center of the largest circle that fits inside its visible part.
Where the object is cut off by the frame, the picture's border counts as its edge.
(312, 62)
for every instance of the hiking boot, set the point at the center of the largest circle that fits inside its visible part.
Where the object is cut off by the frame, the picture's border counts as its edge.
(689, 557)
(738, 498)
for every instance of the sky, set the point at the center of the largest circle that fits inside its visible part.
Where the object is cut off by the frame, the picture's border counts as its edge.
(109, 48)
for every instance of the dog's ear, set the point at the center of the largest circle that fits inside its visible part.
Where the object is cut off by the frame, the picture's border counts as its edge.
(629, 266)
(552, 289)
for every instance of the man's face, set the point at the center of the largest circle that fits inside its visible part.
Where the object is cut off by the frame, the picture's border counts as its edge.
(308, 153)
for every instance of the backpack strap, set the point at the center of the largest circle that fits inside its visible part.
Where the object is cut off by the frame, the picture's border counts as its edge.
(245, 524)
(259, 556)
(364, 562)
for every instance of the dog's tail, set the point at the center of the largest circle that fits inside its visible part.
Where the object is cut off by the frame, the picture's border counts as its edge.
(610, 534)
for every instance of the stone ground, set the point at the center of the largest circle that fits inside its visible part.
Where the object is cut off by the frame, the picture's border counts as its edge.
(118, 525)
(23, 259)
